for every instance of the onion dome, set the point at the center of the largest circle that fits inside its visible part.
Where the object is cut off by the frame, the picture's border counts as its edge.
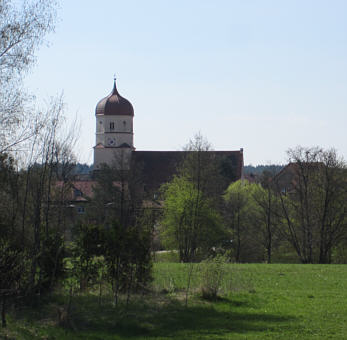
(114, 105)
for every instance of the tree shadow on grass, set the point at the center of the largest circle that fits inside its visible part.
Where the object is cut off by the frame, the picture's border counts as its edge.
(161, 317)
(201, 320)
(171, 319)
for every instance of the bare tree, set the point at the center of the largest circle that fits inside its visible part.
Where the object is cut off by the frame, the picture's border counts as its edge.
(22, 31)
(313, 200)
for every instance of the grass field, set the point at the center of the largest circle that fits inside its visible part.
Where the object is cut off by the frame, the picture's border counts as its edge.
(258, 301)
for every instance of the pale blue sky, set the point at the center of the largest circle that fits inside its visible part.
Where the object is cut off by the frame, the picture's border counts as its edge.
(263, 75)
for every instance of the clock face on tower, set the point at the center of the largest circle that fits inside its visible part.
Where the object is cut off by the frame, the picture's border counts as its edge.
(111, 141)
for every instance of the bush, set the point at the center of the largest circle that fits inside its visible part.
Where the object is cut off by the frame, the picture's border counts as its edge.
(212, 272)
(14, 274)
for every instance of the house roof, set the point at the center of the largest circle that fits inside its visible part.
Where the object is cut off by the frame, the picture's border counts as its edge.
(156, 168)
(79, 191)
(159, 167)
(288, 178)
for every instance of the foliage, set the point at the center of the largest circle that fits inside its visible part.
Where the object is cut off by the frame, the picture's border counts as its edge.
(126, 228)
(212, 272)
(8, 193)
(86, 247)
(241, 215)
(191, 220)
(14, 273)
(127, 259)
(190, 223)
(50, 260)
(267, 214)
(31, 215)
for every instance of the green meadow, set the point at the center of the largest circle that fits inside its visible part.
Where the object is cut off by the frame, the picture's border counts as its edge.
(256, 301)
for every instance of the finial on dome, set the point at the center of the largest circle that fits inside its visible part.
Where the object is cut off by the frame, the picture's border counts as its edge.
(115, 91)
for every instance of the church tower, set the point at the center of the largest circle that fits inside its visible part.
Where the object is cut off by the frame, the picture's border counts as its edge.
(114, 131)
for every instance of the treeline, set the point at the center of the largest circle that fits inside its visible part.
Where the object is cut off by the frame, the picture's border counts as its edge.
(85, 169)
(33, 212)
(29, 251)
(298, 214)
(259, 169)
(44, 244)
(82, 169)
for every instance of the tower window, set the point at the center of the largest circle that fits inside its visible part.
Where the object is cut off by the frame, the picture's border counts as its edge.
(112, 126)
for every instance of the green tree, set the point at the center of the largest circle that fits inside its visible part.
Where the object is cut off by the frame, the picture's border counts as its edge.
(252, 215)
(86, 246)
(27, 206)
(191, 220)
(266, 214)
(240, 214)
(9, 186)
(128, 258)
(127, 226)
(190, 223)
(14, 270)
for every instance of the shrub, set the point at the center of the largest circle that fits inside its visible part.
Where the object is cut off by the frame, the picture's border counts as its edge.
(212, 272)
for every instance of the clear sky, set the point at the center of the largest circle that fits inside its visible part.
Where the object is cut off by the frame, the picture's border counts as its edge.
(263, 75)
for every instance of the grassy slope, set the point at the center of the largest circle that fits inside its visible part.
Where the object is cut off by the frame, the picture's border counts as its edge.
(261, 302)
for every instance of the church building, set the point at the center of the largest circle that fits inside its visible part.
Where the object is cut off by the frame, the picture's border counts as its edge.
(115, 146)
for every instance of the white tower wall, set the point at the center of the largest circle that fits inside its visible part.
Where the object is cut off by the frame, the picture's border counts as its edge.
(114, 131)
